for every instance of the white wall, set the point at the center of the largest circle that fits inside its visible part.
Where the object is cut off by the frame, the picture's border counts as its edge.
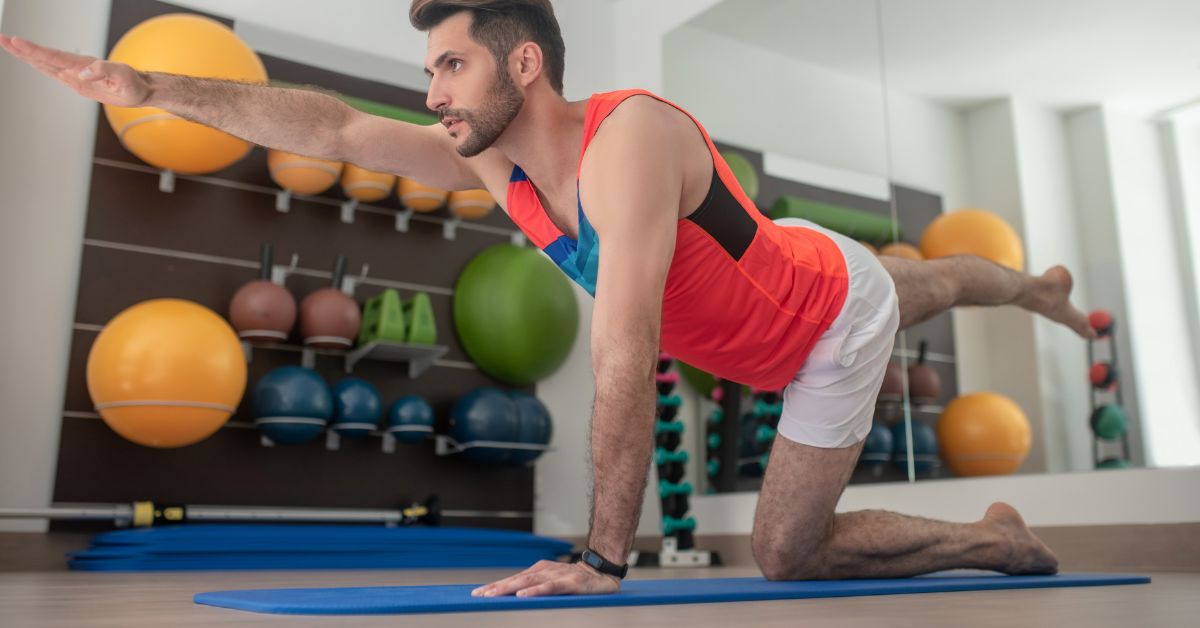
(1051, 237)
(48, 133)
(750, 96)
(991, 342)
(1168, 390)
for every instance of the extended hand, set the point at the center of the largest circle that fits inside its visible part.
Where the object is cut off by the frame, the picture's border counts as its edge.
(551, 578)
(106, 81)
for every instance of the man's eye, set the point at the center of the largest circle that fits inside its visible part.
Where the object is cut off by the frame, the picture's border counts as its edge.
(455, 65)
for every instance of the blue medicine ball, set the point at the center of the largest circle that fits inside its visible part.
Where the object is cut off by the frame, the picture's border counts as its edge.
(535, 426)
(485, 414)
(879, 445)
(292, 405)
(925, 447)
(410, 419)
(357, 408)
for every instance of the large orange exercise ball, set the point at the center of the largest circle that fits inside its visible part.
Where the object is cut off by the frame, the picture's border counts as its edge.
(470, 204)
(166, 373)
(191, 45)
(983, 433)
(973, 232)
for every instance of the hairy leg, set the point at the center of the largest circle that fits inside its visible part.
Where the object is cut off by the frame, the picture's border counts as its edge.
(797, 535)
(929, 288)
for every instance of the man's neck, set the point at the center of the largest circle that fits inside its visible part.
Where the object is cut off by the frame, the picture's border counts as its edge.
(545, 140)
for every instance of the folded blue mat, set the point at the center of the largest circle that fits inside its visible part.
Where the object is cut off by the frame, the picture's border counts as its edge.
(265, 546)
(457, 598)
(203, 535)
(306, 561)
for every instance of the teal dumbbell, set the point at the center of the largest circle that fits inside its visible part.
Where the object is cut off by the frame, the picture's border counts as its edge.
(716, 417)
(762, 408)
(662, 427)
(667, 489)
(765, 433)
(714, 440)
(670, 401)
(714, 466)
(662, 456)
(671, 525)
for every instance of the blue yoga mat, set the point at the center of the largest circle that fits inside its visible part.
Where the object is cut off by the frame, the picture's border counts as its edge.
(457, 598)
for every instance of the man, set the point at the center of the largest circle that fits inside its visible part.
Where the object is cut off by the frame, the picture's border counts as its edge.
(688, 264)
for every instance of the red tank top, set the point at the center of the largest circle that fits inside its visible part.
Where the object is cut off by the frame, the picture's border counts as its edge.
(745, 299)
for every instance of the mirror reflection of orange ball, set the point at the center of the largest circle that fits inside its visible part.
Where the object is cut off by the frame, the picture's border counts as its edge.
(166, 373)
(973, 232)
(983, 433)
(902, 250)
(191, 45)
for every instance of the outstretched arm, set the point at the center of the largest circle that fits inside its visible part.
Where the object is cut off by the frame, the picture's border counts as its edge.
(633, 178)
(295, 120)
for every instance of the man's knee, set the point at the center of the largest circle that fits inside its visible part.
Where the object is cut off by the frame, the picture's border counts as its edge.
(783, 559)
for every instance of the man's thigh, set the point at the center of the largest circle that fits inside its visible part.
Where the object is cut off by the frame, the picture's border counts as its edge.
(799, 493)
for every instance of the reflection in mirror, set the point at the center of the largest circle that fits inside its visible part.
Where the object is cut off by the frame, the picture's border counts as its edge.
(1061, 133)
(790, 92)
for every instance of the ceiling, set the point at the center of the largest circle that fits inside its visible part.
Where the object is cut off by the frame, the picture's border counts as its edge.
(1142, 56)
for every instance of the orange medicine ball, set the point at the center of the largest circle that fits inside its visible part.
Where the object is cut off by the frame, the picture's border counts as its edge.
(192, 45)
(419, 197)
(365, 185)
(166, 373)
(471, 204)
(302, 175)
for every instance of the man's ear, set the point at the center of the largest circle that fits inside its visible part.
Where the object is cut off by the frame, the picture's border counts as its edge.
(528, 63)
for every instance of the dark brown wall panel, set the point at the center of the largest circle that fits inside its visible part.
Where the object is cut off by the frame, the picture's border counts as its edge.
(201, 243)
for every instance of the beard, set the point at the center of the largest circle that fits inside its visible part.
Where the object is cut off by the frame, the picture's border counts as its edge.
(502, 104)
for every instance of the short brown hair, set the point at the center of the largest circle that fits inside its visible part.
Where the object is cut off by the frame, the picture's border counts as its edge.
(502, 25)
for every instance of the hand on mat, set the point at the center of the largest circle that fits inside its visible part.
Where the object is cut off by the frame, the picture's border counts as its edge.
(108, 82)
(550, 578)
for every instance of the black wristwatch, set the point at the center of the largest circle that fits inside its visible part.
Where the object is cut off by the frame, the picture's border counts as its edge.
(599, 563)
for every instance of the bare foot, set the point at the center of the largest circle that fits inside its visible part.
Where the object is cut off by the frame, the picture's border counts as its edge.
(1049, 295)
(1023, 553)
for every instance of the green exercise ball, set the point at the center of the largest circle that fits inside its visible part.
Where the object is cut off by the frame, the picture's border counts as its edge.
(744, 171)
(515, 313)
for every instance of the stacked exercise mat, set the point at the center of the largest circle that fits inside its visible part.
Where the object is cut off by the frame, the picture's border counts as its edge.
(268, 547)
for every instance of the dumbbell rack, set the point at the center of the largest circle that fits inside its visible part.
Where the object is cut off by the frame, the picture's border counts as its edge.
(1096, 394)
(760, 424)
(670, 459)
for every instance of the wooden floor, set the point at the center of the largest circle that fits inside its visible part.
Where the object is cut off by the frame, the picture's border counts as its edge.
(45, 599)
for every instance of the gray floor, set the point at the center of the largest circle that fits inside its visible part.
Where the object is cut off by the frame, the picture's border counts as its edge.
(146, 599)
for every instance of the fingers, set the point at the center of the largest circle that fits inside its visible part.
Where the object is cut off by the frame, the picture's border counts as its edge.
(558, 586)
(512, 584)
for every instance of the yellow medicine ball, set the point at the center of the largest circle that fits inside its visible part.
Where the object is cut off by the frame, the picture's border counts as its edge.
(166, 373)
(420, 198)
(973, 232)
(192, 45)
(471, 204)
(902, 250)
(302, 175)
(983, 433)
(365, 185)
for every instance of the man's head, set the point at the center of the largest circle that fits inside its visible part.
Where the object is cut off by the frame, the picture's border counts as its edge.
(482, 53)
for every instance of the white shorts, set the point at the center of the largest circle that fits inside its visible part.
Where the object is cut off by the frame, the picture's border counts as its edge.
(831, 401)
